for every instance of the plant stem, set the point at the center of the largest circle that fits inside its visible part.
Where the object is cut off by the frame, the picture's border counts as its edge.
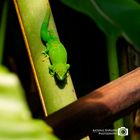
(31, 16)
(112, 58)
(3, 28)
(54, 96)
(113, 73)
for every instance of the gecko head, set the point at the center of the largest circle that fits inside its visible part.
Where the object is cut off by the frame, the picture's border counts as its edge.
(61, 71)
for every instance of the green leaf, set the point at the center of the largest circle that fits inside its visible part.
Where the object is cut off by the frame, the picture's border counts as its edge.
(87, 7)
(25, 130)
(15, 117)
(12, 100)
(122, 15)
(125, 14)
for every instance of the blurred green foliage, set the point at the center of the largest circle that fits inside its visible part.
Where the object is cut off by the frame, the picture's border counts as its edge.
(16, 122)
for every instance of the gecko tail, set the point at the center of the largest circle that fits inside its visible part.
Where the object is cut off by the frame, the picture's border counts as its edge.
(44, 33)
(44, 28)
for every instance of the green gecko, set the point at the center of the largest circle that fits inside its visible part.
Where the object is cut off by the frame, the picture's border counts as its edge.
(55, 50)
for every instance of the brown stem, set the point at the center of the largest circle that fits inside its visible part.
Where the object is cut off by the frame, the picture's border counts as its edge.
(97, 109)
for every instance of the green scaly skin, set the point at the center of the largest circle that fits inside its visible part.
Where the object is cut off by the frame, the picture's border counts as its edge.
(55, 50)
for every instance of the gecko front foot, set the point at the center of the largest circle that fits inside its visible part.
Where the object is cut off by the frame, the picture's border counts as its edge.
(45, 53)
(46, 57)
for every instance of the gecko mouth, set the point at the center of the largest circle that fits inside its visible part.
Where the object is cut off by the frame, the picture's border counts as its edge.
(61, 78)
(61, 81)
